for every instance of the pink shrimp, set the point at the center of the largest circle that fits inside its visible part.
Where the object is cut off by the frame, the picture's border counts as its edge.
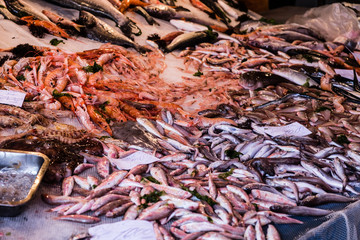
(83, 115)
(56, 80)
(55, 105)
(44, 62)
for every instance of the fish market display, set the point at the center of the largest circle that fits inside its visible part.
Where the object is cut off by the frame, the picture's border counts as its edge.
(260, 128)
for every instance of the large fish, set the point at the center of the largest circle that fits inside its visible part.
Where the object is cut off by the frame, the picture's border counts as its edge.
(5, 12)
(190, 39)
(167, 13)
(22, 9)
(102, 8)
(101, 31)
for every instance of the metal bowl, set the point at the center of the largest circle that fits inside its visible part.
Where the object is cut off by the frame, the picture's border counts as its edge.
(30, 163)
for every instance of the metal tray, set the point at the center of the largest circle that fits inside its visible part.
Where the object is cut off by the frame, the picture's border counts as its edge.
(32, 163)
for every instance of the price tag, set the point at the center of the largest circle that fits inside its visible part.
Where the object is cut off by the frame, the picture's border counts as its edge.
(12, 97)
(127, 229)
(133, 160)
(293, 129)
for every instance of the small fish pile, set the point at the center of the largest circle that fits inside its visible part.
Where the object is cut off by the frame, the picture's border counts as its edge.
(230, 181)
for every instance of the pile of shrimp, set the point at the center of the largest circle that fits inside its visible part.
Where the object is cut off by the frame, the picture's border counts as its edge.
(100, 86)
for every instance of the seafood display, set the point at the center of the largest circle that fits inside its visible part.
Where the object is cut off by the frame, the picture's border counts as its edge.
(260, 128)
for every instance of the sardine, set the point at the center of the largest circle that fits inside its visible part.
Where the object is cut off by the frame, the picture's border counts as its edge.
(102, 8)
(21, 8)
(99, 30)
(295, 77)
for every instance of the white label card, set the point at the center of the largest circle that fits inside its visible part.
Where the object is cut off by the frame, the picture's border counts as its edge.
(12, 97)
(133, 160)
(293, 129)
(127, 229)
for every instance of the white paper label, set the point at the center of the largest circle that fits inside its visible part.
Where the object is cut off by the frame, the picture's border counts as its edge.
(133, 160)
(12, 97)
(293, 129)
(127, 229)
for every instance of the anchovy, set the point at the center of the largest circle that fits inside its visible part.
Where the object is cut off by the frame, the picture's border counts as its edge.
(21, 9)
(340, 171)
(102, 8)
(101, 31)
(326, 178)
(190, 39)
(300, 210)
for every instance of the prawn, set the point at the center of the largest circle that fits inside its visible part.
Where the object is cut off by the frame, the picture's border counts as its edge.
(98, 118)
(115, 113)
(52, 28)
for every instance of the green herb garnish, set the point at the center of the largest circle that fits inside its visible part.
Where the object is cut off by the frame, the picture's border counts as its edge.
(256, 207)
(152, 179)
(94, 68)
(226, 174)
(322, 108)
(93, 186)
(57, 94)
(342, 139)
(8, 234)
(104, 137)
(210, 219)
(308, 58)
(210, 201)
(194, 173)
(198, 74)
(307, 84)
(56, 42)
(151, 198)
(21, 78)
(211, 34)
(269, 21)
(232, 153)
(27, 67)
(102, 106)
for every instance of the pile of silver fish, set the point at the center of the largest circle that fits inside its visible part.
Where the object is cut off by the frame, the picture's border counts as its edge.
(228, 180)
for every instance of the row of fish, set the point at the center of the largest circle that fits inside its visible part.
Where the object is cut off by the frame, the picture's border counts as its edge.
(228, 181)
(92, 27)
